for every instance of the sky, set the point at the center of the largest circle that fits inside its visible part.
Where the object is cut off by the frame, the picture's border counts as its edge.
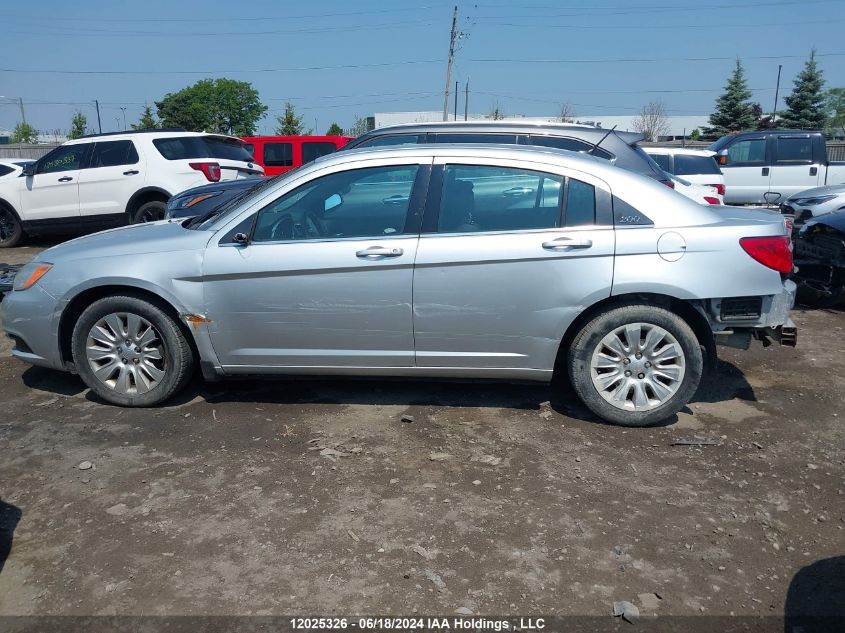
(335, 60)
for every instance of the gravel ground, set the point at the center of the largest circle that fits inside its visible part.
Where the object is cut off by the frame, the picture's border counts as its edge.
(315, 497)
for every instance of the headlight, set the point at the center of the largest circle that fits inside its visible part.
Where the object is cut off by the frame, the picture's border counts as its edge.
(189, 201)
(813, 201)
(29, 274)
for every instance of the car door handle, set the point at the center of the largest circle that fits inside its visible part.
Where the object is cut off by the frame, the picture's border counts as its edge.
(131, 172)
(379, 251)
(65, 179)
(515, 192)
(765, 171)
(397, 199)
(814, 171)
(564, 243)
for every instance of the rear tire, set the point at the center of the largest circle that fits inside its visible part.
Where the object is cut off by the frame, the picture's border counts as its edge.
(151, 211)
(11, 229)
(641, 381)
(130, 352)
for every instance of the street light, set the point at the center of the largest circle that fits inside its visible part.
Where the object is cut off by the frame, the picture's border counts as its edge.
(123, 109)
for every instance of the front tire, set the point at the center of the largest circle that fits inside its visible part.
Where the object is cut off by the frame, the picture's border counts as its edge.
(11, 229)
(130, 352)
(635, 365)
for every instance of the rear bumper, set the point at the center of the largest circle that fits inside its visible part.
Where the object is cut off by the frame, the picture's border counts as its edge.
(773, 324)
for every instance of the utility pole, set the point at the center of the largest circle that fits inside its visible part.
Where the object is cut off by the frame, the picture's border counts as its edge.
(466, 98)
(452, 37)
(23, 114)
(777, 89)
(123, 109)
(99, 125)
(456, 101)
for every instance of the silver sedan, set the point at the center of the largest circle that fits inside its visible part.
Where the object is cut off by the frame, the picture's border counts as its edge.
(447, 261)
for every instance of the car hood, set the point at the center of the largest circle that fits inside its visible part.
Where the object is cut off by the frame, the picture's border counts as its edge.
(834, 220)
(223, 185)
(819, 191)
(152, 237)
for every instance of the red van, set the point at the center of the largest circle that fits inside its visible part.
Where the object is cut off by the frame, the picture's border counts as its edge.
(278, 154)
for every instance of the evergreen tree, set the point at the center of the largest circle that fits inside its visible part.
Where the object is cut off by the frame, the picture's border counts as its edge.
(77, 125)
(334, 130)
(835, 103)
(147, 120)
(288, 123)
(734, 112)
(806, 105)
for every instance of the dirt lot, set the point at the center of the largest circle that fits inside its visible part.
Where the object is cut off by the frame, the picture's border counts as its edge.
(227, 501)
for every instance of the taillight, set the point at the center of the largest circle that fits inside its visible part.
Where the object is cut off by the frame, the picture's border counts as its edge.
(668, 183)
(211, 171)
(712, 200)
(720, 188)
(774, 252)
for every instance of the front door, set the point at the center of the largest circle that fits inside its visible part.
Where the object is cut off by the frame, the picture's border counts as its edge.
(793, 167)
(513, 256)
(53, 192)
(114, 174)
(326, 278)
(747, 172)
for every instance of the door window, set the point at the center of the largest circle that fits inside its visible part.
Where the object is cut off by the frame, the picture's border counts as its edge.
(505, 139)
(371, 202)
(278, 154)
(487, 198)
(750, 151)
(313, 150)
(571, 144)
(114, 153)
(794, 150)
(64, 158)
(391, 139)
(580, 203)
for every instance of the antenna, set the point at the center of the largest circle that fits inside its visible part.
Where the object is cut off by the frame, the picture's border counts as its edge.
(596, 145)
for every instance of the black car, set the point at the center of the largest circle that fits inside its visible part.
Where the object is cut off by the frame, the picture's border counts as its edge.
(205, 198)
(618, 147)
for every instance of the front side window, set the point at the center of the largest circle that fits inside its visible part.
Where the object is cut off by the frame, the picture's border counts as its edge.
(313, 150)
(748, 152)
(689, 165)
(114, 153)
(469, 137)
(487, 198)
(278, 154)
(391, 139)
(794, 150)
(64, 158)
(371, 202)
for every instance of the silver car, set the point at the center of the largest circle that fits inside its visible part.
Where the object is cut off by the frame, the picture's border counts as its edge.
(484, 261)
(812, 203)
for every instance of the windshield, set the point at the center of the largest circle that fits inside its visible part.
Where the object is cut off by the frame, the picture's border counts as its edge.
(718, 145)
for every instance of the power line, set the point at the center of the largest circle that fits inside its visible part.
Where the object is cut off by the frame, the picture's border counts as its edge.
(611, 10)
(627, 27)
(623, 60)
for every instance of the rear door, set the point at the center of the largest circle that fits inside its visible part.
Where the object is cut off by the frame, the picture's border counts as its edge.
(794, 167)
(747, 171)
(53, 192)
(114, 174)
(509, 255)
(278, 157)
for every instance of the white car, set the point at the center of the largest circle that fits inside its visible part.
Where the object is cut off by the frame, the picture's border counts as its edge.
(694, 165)
(12, 167)
(108, 180)
(812, 203)
(702, 194)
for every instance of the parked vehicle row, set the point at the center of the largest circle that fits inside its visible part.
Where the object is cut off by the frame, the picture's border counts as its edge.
(453, 261)
(280, 154)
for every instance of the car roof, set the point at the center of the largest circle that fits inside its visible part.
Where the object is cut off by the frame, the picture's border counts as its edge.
(678, 150)
(158, 133)
(512, 126)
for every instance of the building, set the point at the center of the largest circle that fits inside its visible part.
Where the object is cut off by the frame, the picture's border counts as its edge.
(679, 126)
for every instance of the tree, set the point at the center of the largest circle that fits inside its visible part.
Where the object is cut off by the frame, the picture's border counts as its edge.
(734, 112)
(835, 106)
(359, 127)
(224, 106)
(695, 135)
(496, 114)
(288, 123)
(567, 113)
(805, 107)
(147, 120)
(24, 133)
(334, 130)
(78, 125)
(652, 121)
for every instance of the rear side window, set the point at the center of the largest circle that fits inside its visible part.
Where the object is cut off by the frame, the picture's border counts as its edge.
(278, 154)
(313, 150)
(687, 165)
(187, 147)
(392, 139)
(114, 153)
(662, 160)
(250, 148)
(571, 144)
(750, 151)
(486, 198)
(794, 150)
(507, 139)
(580, 203)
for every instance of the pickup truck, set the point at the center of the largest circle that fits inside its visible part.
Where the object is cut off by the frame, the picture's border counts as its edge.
(768, 166)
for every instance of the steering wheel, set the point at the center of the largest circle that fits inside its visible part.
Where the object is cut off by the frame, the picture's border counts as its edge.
(287, 229)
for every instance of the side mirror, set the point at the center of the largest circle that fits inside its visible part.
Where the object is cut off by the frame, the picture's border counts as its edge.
(722, 157)
(29, 170)
(332, 202)
(241, 239)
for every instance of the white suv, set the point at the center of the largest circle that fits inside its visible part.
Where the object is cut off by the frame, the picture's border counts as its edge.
(693, 165)
(108, 180)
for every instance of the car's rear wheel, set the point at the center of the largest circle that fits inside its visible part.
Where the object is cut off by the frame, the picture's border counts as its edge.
(151, 211)
(130, 352)
(11, 229)
(635, 365)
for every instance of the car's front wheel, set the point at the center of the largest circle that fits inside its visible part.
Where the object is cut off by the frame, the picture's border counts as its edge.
(130, 352)
(635, 365)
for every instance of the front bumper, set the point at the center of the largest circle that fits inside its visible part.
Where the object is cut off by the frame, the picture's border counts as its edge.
(30, 318)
